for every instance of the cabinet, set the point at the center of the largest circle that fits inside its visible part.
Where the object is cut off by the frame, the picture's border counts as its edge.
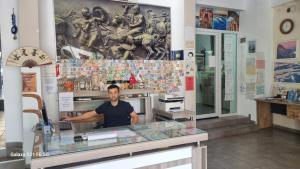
(264, 113)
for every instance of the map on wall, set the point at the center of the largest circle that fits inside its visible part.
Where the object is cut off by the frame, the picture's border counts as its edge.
(105, 29)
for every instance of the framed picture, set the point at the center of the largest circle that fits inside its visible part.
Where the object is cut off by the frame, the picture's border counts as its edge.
(251, 46)
(285, 72)
(220, 19)
(112, 30)
(233, 21)
(206, 18)
(287, 49)
(29, 82)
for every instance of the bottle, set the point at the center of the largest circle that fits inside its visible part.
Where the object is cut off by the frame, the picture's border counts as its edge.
(295, 95)
(82, 84)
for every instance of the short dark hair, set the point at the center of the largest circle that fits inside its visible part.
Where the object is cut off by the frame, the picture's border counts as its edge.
(113, 86)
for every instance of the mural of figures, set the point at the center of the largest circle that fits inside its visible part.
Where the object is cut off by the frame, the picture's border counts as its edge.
(105, 29)
(219, 19)
(216, 18)
(233, 21)
(206, 18)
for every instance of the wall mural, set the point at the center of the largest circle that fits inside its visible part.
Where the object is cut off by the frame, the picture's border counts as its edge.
(104, 29)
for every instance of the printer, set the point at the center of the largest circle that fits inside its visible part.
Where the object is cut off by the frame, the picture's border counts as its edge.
(171, 103)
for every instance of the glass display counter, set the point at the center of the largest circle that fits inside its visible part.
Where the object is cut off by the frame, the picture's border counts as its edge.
(60, 148)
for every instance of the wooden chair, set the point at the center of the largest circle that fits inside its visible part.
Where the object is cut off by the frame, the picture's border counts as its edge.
(38, 111)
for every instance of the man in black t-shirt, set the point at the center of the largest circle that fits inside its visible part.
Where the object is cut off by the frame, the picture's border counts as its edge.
(116, 112)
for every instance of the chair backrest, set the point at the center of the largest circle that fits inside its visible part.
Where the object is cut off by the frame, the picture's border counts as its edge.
(38, 98)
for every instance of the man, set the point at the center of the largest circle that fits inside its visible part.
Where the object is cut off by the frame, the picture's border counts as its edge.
(116, 112)
(136, 21)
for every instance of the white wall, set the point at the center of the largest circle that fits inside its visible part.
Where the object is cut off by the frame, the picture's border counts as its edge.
(12, 84)
(280, 14)
(29, 36)
(48, 44)
(229, 4)
(280, 2)
(256, 24)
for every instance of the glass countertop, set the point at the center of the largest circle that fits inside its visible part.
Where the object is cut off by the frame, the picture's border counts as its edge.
(62, 142)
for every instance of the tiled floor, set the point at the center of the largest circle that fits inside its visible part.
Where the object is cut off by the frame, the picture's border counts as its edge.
(265, 149)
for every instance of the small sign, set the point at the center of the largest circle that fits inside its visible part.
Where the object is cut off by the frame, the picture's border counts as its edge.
(66, 102)
(189, 83)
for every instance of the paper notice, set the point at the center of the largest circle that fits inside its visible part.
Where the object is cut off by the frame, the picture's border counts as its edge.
(66, 101)
(212, 61)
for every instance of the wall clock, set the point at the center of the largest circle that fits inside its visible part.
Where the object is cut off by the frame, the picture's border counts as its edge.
(28, 57)
(286, 26)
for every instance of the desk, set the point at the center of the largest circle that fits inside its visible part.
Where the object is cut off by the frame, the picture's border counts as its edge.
(264, 114)
(157, 139)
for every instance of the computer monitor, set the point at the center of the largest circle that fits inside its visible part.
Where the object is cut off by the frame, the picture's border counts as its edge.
(44, 114)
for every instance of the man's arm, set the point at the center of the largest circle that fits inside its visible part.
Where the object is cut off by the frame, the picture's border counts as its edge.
(82, 117)
(134, 117)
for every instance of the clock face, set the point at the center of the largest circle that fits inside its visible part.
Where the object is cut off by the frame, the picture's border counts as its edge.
(286, 26)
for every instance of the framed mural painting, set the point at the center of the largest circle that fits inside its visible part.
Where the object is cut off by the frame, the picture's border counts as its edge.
(113, 30)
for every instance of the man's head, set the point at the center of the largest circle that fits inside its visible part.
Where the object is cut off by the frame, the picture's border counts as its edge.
(113, 92)
(85, 12)
(135, 9)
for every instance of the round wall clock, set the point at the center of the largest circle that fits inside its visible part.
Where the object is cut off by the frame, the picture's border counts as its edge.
(286, 26)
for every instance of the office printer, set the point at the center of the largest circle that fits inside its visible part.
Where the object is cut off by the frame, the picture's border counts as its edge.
(171, 102)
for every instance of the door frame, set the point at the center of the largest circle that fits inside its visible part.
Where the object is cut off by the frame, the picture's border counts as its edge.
(218, 77)
(217, 54)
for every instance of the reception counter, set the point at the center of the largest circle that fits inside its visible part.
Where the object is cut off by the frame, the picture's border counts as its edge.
(167, 144)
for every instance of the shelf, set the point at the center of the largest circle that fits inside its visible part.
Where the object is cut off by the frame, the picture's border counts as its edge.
(91, 93)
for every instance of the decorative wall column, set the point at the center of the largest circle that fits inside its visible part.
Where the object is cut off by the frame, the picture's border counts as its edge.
(12, 84)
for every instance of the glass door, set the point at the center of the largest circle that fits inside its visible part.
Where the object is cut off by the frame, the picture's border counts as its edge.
(207, 52)
(216, 75)
(229, 73)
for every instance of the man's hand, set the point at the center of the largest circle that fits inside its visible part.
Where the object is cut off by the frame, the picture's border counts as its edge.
(134, 118)
(82, 118)
(66, 118)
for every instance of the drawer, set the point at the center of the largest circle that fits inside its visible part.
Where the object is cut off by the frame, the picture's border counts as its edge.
(293, 112)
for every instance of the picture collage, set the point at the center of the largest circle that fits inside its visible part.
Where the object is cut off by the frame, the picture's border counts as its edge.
(219, 19)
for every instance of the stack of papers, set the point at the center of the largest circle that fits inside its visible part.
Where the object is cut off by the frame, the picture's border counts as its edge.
(101, 135)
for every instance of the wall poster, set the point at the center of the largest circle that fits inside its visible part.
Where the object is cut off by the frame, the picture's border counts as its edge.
(105, 29)
(286, 72)
(287, 50)
(229, 48)
(29, 82)
(217, 18)
(260, 73)
(189, 83)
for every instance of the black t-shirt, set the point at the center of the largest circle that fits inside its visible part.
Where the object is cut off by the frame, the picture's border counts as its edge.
(118, 115)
